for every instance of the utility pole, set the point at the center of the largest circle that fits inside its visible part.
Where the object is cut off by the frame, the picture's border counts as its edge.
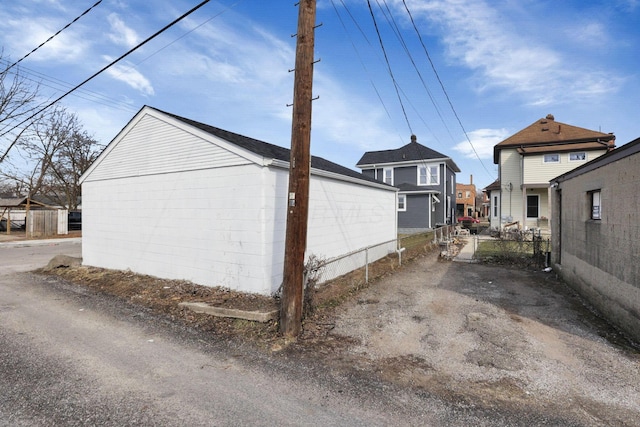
(299, 170)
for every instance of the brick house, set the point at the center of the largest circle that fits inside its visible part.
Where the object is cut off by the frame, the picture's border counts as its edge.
(466, 199)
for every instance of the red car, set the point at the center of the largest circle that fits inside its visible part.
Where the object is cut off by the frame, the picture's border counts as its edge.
(468, 219)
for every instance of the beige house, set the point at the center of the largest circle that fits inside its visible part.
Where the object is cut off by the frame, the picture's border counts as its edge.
(529, 159)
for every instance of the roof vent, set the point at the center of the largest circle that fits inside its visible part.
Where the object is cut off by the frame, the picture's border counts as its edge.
(550, 117)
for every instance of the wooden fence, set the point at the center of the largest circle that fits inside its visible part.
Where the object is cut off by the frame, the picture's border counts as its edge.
(44, 223)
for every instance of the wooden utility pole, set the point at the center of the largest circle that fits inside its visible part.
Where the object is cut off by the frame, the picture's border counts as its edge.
(299, 170)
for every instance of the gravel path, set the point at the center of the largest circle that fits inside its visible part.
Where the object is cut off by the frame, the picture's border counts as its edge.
(494, 337)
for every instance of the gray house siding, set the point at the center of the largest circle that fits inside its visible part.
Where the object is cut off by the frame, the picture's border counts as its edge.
(599, 257)
(417, 213)
(406, 175)
(420, 212)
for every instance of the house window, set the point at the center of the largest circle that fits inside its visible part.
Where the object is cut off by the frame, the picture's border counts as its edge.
(428, 175)
(460, 195)
(495, 206)
(533, 206)
(551, 158)
(577, 157)
(402, 202)
(388, 176)
(468, 194)
(596, 206)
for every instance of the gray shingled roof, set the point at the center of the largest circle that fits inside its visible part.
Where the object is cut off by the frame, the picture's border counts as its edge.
(269, 151)
(413, 151)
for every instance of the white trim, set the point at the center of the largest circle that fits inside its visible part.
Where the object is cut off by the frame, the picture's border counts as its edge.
(404, 204)
(427, 168)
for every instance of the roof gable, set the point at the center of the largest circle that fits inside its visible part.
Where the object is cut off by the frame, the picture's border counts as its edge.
(551, 135)
(412, 152)
(249, 149)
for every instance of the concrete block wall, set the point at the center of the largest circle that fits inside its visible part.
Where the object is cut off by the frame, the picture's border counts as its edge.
(599, 257)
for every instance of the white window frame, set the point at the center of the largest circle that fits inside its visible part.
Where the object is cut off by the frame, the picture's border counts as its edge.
(596, 205)
(583, 153)
(428, 175)
(384, 175)
(402, 202)
(546, 158)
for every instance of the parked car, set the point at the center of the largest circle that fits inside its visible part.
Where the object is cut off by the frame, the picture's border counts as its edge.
(468, 219)
(75, 220)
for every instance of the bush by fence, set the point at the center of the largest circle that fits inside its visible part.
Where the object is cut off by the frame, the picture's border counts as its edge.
(529, 247)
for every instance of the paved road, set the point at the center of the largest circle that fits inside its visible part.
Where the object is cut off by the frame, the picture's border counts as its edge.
(71, 357)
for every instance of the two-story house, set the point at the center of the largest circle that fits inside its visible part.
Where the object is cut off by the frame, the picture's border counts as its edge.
(426, 181)
(530, 158)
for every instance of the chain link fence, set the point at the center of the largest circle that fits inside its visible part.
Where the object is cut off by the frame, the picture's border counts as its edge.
(516, 246)
(363, 265)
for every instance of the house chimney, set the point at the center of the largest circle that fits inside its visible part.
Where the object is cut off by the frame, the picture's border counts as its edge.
(414, 138)
(471, 179)
(550, 117)
(612, 142)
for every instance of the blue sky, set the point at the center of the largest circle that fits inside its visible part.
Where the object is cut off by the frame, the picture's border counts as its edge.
(503, 65)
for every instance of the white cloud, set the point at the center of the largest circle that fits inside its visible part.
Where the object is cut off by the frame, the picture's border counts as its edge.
(131, 77)
(483, 140)
(483, 39)
(121, 34)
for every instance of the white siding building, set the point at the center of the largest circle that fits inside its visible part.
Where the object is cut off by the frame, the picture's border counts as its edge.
(530, 158)
(178, 199)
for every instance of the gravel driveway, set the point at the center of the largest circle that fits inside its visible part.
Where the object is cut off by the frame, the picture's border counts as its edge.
(493, 337)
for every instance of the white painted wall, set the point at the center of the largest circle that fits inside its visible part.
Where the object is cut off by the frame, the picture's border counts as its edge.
(217, 225)
(204, 226)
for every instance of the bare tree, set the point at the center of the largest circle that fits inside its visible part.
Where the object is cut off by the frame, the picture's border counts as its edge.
(55, 153)
(18, 102)
(73, 158)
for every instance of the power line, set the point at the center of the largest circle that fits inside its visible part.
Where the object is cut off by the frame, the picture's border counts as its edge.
(386, 58)
(58, 32)
(442, 86)
(166, 27)
(375, 89)
(394, 26)
(60, 85)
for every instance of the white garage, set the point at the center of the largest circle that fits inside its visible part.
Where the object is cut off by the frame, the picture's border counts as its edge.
(178, 199)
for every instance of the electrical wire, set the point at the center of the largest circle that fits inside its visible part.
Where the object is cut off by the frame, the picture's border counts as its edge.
(386, 58)
(455, 113)
(375, 89)
(166, 27)
(394, 26)
(51, 38)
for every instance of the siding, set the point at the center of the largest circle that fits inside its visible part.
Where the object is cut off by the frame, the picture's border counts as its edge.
(537, 172)
(417, 213)
(510, 172)
(155, 146)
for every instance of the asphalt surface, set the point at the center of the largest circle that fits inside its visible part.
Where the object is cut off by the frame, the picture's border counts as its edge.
(72, 357)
